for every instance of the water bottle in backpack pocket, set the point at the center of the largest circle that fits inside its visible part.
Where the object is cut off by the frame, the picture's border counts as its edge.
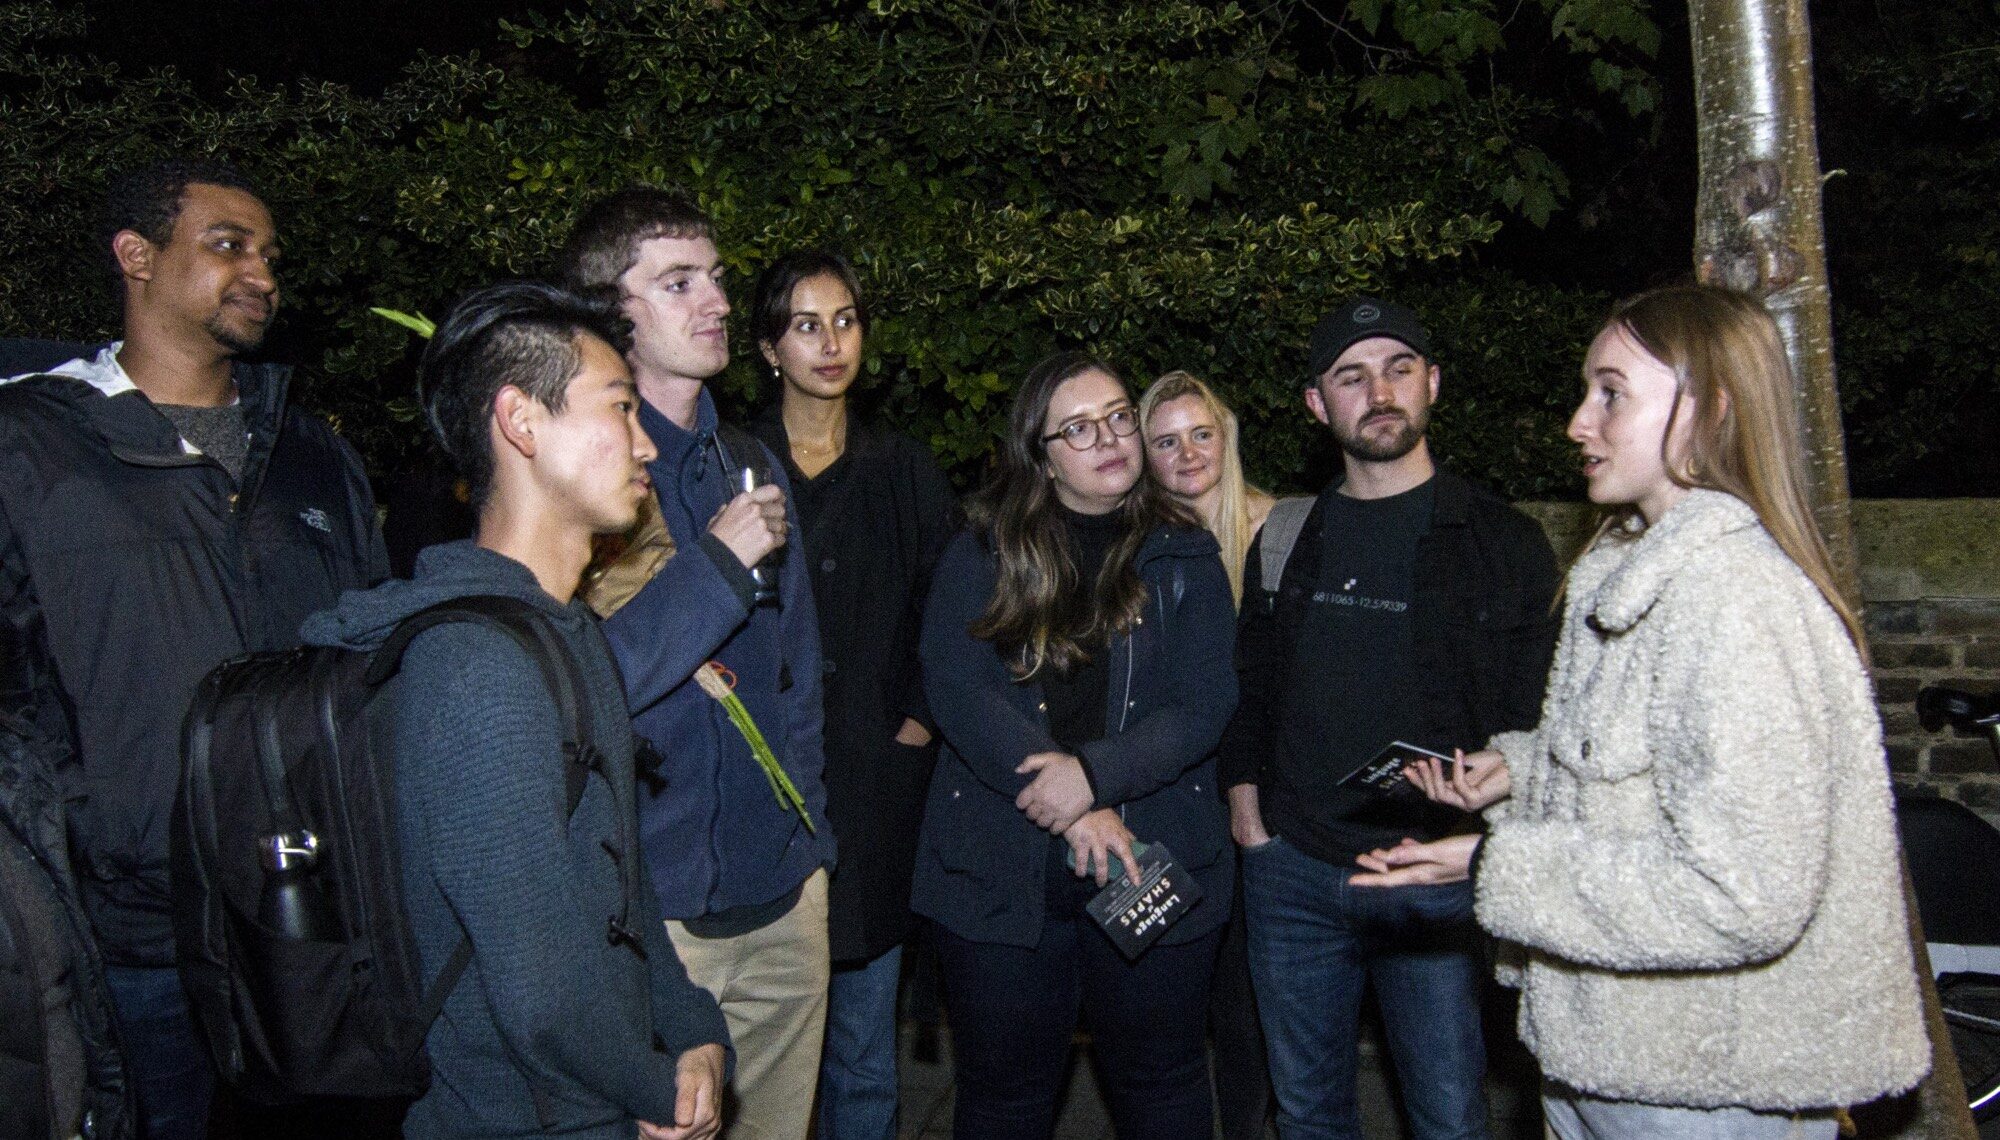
(288, 913)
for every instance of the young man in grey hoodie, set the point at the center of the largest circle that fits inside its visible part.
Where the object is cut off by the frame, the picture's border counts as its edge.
(556, 1028)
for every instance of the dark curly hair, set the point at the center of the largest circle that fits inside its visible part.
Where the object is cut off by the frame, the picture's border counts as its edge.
(147, 200)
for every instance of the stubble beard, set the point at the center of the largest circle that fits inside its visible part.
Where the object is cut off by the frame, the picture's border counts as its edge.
(236, 341)
(1369, 449)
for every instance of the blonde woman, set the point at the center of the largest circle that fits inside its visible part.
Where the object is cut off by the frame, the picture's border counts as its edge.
(1692, 855)
(1191, 451)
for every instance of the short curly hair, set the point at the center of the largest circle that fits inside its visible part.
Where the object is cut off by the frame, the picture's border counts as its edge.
(147, 200)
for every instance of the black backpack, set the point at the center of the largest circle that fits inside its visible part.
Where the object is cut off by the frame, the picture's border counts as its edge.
(288, 905)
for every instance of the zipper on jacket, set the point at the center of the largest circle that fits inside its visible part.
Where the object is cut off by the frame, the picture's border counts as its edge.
(1125, 706)
(239, 509)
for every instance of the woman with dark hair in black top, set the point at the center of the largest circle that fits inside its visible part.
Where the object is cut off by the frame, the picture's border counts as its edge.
(875, 513)
(1076, 654)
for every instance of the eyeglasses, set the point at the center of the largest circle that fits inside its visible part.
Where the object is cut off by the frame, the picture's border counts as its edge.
(1082, 435)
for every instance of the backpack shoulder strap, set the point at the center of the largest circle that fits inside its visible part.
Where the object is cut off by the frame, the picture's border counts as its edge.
(739, 447)
(532, 631)
(1280, 534)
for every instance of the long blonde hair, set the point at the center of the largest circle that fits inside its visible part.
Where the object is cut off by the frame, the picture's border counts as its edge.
(1231, 524)
(1726, 353)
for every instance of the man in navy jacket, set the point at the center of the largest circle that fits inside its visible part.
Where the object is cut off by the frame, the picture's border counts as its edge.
(741, 872)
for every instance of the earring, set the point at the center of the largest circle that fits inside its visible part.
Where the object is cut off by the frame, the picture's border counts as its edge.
(777, 373)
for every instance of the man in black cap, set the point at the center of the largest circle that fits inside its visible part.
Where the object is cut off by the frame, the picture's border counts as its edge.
(1409, 605)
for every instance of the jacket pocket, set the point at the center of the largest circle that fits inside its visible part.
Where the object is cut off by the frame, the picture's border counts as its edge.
(1604, 738)
(952, 829)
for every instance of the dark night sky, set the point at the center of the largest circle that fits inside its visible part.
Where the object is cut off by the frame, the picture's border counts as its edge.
(360, 42)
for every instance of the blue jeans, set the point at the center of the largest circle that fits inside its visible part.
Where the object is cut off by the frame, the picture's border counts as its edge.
(1315, 944)
(1572, 1115)
(164, 1056)
(857, 1070)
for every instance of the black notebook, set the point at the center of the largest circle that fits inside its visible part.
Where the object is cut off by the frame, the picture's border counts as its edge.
(1383, 772)
(1133, 914)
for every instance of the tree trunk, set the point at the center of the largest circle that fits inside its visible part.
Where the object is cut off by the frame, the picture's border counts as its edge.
(1757, 216)
(1757, 228)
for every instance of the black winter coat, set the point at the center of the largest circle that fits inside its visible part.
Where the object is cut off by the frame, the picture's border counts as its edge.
(981, 864)
(128, 569)
(873, 526)
(61, 1074)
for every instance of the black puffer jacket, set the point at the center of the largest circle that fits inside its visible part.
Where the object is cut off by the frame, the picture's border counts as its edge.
(128, 569)
(60, 1071)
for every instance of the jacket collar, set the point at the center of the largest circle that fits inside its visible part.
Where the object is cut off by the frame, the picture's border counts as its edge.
(673, 440)
(128, 420)
(864, 435)
(1175, 542)
(1656, 554)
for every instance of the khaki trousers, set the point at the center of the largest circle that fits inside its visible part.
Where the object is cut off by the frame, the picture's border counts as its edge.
(771, 984)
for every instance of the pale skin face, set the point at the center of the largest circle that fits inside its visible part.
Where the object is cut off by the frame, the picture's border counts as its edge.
(215, 278)
(673, 295)
(1184, 448)
(820, 353)
(592, 455)
(1377, 397)
(1621, 425)
(1095, 480)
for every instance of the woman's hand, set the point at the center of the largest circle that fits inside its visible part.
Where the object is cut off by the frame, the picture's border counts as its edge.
(913, 733)
(1473, 783)
(1095, 839)
(1411, 864)
(697, 1098)
(1058, 795)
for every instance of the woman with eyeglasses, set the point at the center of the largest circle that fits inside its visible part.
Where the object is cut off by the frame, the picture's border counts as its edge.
(874, 515)
(1076, 652)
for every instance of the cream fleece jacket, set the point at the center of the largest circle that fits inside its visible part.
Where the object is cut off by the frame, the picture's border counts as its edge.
(1698, 861)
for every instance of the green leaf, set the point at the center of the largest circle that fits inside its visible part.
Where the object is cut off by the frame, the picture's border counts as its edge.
(416, 322)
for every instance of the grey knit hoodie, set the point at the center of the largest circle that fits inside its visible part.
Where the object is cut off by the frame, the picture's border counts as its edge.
(552, 1029)
(1699, 856)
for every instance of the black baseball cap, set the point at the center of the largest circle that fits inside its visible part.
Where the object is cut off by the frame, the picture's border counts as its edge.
(1358, 320)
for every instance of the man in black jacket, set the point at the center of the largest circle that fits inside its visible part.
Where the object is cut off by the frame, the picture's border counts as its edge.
(1413, 606)
(161, 510)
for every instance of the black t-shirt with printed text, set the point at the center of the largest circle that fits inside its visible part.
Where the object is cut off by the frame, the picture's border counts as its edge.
(1353, 685)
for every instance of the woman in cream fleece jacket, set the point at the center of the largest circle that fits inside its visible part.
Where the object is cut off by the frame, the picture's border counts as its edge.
(1691, 861)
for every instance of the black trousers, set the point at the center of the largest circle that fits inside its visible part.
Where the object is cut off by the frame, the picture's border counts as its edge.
(1013, 1013)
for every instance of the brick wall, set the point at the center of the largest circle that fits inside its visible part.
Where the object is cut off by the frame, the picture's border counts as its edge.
(1937, 641)
(1930, 581)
